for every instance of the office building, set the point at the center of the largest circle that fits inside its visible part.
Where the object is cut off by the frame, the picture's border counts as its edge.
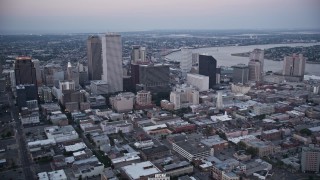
(259, 109)
(199, 81)
(138, 54)
(184, 96)
(208, 67)
(256, 65)
(143, 98)
(25, 72)
(112, 62)
(219, 103)
(94, 50)
(294, 65)
(122, 102)
(310, 159)
(99, 87)
(26, 93)
(240, 73)
(36, 64)
(154, 77)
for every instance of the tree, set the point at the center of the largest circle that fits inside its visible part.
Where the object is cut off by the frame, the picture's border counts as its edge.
(253, 151)
(306, 131)
(241, 145)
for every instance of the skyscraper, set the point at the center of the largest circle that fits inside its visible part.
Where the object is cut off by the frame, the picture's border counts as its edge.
(36, 64)
(25, 71)
(240, 73)
(112, 61)
(256, 65)
(154, 77)
(94, 58)
(138, 54)
(219, 103)
(208, 67)
(294, 65)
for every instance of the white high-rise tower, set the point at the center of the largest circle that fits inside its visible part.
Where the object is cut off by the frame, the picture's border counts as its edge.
(219, 103)
(112, 62)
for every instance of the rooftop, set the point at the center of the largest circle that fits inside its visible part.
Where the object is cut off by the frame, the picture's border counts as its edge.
(134, 171)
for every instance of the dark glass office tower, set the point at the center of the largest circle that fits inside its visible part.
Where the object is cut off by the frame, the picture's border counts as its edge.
(94, 58)
(25, 71)
(208, 67)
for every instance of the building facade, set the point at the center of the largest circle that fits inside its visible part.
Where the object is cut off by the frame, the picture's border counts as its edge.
(240, 73)
(294, 66)
(208, 67)
(199, 81)
(310, 159)
(94, 49)
(112, 71)
(25, 72)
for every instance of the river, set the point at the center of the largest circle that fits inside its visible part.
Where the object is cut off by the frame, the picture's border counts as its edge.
(224, 57)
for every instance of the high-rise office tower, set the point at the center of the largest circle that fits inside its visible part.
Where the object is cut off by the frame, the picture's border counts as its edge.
(94, 58)
(254, 70)
(256, 65)
(36, 64)
(219, 103)
(294, 65)
(25, 72)
(154, 77)
(112, 62)
(240, 73)
(208, 67)
(138, 54)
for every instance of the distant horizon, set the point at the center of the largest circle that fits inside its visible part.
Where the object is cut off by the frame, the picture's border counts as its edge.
(82, 16)
(265, 30)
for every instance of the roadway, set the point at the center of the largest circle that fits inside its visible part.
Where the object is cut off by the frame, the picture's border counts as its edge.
(20, 138)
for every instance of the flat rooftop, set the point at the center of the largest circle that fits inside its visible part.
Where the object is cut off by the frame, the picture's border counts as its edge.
(134, 171)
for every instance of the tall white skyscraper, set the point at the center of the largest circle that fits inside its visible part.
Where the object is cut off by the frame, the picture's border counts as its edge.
(219, 103)
(138, 54)
(294, 65)
(256, 65)
(112, 61)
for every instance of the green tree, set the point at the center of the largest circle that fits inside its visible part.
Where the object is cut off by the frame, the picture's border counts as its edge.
(241, 145)
(306, 131)
(253, 151)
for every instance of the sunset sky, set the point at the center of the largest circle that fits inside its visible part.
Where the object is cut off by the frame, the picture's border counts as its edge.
(64, 16)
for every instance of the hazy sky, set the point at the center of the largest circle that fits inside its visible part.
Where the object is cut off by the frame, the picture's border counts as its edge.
(39, 16)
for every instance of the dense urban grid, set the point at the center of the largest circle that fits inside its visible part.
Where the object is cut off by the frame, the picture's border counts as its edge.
(114, 106)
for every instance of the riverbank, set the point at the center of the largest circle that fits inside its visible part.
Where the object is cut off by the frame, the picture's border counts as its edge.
(247, 54)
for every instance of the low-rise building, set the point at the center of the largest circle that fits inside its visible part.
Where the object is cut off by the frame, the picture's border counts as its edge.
(122, 102)
(154, 152)
(30, 118)
(53, 175)
(270, 135)
(87, 168)
(215, 142)
(178, 168)
(192, 150)
(99, 87)
(264, 148)
(143, 169)
(115, 127)
(260, 109)
(61, 134)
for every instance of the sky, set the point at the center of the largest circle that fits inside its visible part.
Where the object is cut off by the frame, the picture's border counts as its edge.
(87, 16)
